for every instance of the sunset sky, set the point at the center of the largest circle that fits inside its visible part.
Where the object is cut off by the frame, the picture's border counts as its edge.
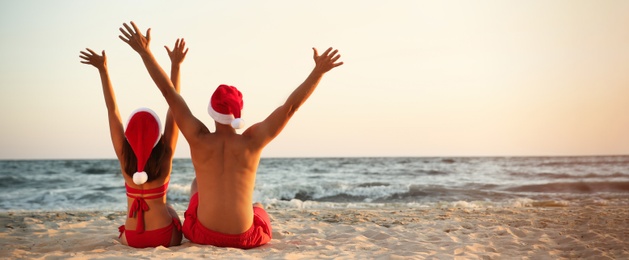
(421, 78)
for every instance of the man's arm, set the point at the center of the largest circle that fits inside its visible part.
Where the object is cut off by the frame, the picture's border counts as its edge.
(189, 125)
(177, 55)
(116, 130)
(268, 129)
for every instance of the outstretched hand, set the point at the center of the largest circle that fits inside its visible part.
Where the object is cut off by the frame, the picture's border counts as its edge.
(92, 58)
(178, 54)
(135, 39)
(326, 61)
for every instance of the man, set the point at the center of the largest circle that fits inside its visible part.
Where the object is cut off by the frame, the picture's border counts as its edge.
(220, 211)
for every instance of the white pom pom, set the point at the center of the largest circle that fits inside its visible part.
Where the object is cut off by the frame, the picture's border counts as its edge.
(238, 123)
(140, 178)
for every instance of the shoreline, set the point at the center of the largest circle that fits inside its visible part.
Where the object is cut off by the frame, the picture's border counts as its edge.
(595, 232)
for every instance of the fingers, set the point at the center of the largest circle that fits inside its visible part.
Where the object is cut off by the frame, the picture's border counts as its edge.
(127, 31)
(90, 53)
(136, 30)
(180, 44)
(131, 35)
(183, 45)
(335, 58)
(180, 47)
(330, 54)
(84, 55)
(88, 58)
(333, 52)
(123, 39)
(126, 38)
(327, 52)
(316, 54)
(328, 60)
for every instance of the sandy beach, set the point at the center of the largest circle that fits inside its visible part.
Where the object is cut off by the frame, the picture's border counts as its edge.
(592, 232)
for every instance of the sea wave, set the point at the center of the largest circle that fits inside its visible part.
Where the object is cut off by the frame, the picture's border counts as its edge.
(574, 187)
(548, 175)
(12, 181)
(605, 161)
(340, 182)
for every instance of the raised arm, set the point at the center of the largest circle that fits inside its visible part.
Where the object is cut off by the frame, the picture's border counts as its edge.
(177, 55)
(190, 126)
(268, 129)
(116, 129)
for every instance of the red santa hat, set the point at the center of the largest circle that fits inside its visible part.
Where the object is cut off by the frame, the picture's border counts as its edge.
(225, 106)
(143, 132)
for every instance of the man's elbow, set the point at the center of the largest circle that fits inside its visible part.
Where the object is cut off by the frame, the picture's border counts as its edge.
(291, 110)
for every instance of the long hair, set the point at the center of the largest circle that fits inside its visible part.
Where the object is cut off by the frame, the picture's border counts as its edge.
(153, 167)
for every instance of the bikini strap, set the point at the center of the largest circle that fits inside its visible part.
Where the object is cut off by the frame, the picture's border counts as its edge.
(159, 189)
(139, 205)
(137, 210)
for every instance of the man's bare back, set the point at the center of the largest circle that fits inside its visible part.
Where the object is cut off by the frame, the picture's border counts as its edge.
(226, 162)
(225, 175)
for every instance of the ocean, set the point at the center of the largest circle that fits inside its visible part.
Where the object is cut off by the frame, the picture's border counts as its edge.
(76, 185)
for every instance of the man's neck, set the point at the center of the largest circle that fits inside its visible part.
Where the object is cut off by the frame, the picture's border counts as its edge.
(221, 128)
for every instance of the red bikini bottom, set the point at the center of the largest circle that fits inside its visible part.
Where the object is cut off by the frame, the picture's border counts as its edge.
(151, 238)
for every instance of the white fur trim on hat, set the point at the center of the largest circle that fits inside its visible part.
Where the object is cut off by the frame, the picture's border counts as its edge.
(140, 178)
(225, 119)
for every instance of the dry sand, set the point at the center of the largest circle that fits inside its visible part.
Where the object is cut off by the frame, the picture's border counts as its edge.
(592, 232)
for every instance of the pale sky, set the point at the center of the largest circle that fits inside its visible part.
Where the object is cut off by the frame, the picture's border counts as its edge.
(421, 78)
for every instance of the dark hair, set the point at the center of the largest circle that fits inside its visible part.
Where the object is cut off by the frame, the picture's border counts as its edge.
(153, 166)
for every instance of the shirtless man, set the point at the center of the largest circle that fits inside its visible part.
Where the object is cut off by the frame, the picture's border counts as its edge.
(220, 211)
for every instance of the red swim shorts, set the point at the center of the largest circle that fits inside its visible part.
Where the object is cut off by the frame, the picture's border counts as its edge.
(259, 234)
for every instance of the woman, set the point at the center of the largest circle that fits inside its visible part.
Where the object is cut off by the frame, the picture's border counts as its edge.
(145, 158)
